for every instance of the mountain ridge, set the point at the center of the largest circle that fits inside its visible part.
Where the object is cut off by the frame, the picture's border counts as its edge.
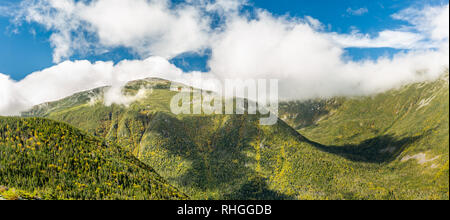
(223, 157)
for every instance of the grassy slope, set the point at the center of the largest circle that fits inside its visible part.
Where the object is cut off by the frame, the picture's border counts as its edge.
(232, 157)
(57, 161)
(386, 130)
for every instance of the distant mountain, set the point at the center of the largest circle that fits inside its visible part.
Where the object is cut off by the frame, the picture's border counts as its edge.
(406, 129)
(56, 161)
(355, 153)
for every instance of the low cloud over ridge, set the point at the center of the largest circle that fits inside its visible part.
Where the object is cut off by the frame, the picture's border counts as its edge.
(309, 61)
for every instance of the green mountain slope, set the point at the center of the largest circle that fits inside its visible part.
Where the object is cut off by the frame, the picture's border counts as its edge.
(405, 129)
(207, 156)
(233, 157)
(57, 161)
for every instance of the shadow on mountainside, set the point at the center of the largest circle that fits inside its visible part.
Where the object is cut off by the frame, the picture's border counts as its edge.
(218, 155)
(381, 149)
(256, 189)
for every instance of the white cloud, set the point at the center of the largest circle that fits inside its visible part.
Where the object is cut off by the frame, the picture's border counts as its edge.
(10, 100)
(155, 27)
(428, 29)
(386, 38)
(310, 64)
(114, 95)
(316, 24)
(357, 12)
(432, 22)
(148, 27)
(267, 45)
(224, 6)
(69, 77)
(308, 61)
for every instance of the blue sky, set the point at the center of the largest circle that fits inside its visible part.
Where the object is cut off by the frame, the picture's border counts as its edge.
(28, 49)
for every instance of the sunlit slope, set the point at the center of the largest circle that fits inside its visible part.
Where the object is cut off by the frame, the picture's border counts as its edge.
(406, 129)
(232, 156)
(207, 156)
(57, 161)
